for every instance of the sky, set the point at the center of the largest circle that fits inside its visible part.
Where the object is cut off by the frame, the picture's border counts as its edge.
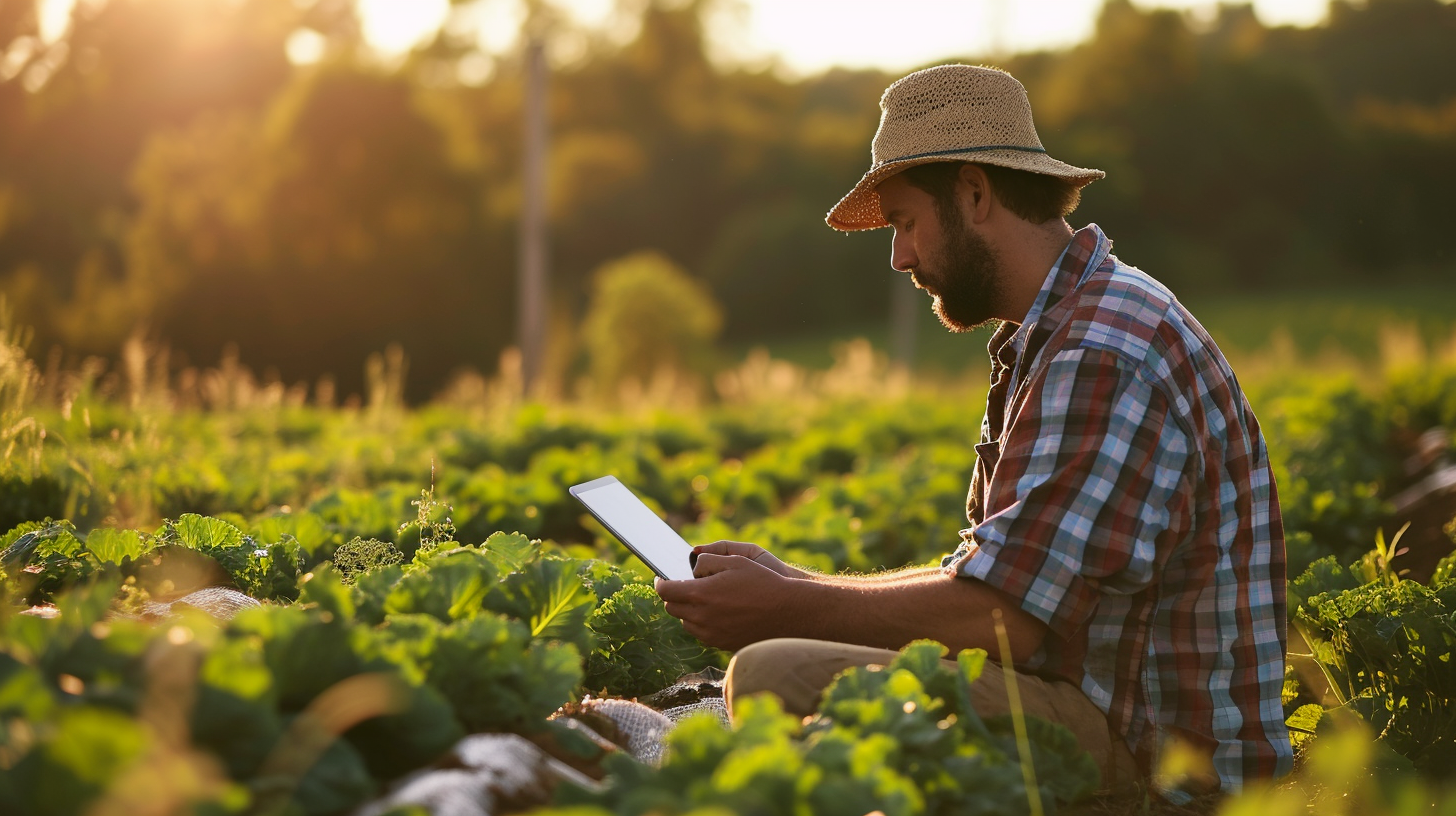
(808, 36)
(803, 36)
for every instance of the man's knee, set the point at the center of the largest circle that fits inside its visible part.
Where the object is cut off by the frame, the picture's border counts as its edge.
(797, 670)
(764, 666)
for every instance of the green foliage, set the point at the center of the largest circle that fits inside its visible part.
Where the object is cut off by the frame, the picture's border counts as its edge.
(902, 740)
(264, 571)
(116, 546)
(432, 526)
(81, 751)
(360, 555)
(51, 552)
(419, 654)
(1302, 724)
(452, 586)
(1323, 577)
(1386, 646)
(549, 595)
(638, 648)
(526, 679)
(1332, 465)
(85, 700)
(646, 314)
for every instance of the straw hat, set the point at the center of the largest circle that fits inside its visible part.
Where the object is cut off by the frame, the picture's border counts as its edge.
(950, 113)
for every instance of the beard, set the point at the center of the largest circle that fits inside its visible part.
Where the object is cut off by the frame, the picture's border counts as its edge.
(965, 279)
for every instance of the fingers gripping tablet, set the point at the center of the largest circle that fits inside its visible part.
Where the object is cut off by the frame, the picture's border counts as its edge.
(634, 524)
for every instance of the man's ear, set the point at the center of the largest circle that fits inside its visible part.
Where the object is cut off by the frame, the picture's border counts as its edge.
(975, 192)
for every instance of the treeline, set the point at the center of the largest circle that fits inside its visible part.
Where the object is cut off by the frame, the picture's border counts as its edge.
(164, 168)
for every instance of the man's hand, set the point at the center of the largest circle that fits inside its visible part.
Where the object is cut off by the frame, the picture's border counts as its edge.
(735, 600)
(711, 558)
(742, 594)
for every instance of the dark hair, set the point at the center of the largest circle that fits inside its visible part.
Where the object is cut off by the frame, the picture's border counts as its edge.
(1030, 196)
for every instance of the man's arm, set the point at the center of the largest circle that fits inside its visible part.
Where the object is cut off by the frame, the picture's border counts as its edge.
(756, 553)
(736, 601)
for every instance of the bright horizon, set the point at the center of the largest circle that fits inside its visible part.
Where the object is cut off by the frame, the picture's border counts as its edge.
(845, 33)
(803, 36)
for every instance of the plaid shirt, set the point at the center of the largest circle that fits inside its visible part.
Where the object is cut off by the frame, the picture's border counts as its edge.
(1123, 495)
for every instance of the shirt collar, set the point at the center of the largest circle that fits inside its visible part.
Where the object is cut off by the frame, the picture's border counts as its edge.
(1083, 254)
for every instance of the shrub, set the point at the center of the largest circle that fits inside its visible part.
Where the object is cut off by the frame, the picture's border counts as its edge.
(647, 315)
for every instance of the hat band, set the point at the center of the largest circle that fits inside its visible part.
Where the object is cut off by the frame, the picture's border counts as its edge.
(960, 150)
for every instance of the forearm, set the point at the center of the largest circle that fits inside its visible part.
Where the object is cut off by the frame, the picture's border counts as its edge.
(871, 579)
(926, 603)
(741, 594)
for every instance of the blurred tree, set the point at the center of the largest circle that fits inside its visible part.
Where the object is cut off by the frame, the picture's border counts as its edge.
(165, 164)
(125, 69)
(332, 226)
(1228, 165)
(727, 172)
(646, 315)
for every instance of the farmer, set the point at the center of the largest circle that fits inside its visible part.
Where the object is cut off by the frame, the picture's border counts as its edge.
(1123, 517)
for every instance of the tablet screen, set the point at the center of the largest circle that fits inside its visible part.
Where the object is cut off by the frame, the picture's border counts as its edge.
(637, 526)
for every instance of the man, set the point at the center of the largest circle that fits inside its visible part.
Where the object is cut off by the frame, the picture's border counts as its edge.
(1123, 517)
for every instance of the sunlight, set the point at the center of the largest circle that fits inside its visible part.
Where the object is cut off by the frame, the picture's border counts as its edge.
(858, 33)
(395, 26)
(55, 15)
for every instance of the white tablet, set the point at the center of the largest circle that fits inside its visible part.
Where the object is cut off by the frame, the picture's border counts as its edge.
(634, 524)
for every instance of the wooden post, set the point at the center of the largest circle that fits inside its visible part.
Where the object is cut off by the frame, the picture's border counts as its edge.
(532, 277)
(905, 304)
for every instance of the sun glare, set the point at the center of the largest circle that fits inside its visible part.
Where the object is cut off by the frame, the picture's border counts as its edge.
(848, 32)
(55, 15)
(394, 26)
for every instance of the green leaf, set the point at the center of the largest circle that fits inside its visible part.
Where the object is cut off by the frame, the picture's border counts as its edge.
(203, 533)
(451, 586)
(338, 782)
(115, 546)
(23, 692)
(550, 596)
(417, 736)
(325, 589)
(305, 653)
(639, 648)
(309, 529)
(922, 659)
(605, 579)
(83, 753)
(510, 552)
(1302, 724)
(497, 677)
(238, 730)
(371, 592)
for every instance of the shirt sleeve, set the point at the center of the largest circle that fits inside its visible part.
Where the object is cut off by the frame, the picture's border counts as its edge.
(1085, 494)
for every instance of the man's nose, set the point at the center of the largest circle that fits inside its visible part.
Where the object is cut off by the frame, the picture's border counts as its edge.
(902, 255)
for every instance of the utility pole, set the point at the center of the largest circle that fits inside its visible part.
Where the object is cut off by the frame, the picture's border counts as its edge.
(905, 304)
(532, 275)
(999, 12)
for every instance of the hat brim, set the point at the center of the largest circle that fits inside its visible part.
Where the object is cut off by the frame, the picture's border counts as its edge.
(860, 208)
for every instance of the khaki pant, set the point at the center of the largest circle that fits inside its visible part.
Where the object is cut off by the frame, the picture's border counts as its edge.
(798, 671)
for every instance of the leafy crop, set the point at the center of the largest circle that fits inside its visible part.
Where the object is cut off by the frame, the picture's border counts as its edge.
(902, 740)
(447, 624)
(268, 572)
(304, 707)
(638, 647)
(1387, 647)
(360, 555)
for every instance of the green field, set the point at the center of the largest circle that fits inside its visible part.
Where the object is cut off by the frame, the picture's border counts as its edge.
(428, 564)
(1342, 325)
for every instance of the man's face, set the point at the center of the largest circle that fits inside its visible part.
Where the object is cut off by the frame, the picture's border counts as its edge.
(943, 255)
